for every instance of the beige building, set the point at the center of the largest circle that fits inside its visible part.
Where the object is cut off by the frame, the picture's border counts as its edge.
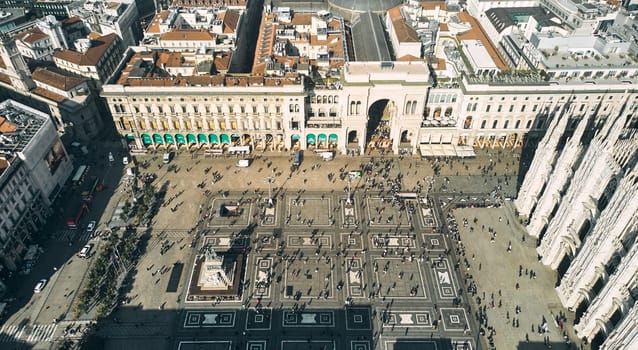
(96, 58)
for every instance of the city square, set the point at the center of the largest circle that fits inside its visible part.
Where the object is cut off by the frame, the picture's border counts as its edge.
(336, 284)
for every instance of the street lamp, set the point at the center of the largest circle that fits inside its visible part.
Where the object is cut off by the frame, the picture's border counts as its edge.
(270, 180)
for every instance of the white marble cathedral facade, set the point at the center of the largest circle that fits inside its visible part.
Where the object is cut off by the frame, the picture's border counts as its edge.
(580, 202)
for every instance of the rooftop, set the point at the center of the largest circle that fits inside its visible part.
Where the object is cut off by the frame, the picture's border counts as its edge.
(145, 69)
(210, 3)
(92, 55)
(404, 32)
(18, 125)
(476, 33)
(187, 35)
(505, 17)
(31, 35)
(57, 78)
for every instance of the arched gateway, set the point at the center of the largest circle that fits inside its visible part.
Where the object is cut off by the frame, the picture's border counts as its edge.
(384, 99)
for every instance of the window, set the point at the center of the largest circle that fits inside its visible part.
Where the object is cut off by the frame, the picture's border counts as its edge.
(483, 124)
(506, 124)
(495, 124)
(511, 108)
(523, 108)
(517, 124)
(529, 124)
(468, 123)
(534, 108)
(487, 109)
(500, 108)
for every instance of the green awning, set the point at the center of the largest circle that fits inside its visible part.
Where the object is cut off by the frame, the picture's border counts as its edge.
(295, 137)
(130, 137)
(322, 137)
(333, 138)
(311, 139)
(169, 139)
(146, 139)
(180, 139)
(191, 138)
(213, 138)
(202, 138)
(225, 138)
(157, 138)
(235, 135)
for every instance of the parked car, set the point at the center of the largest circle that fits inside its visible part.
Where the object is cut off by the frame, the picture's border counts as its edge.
(86, 251)
(40, 286)
(91, 226)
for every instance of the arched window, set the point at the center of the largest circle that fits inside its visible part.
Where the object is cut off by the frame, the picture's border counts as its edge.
(352, 108)
(329, 99)
(358, 107)
(325, 99)
(408, 106)
(413, 109)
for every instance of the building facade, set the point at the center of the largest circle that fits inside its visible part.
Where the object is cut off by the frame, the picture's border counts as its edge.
(579, 201)
(34, 166)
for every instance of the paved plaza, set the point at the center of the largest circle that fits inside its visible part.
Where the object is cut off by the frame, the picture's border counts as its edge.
(376, 269)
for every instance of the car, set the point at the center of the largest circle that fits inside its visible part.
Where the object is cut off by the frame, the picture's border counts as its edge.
(91, 226)
(125, 160)
(40, 286)
(167, 158)
(111, 159)
(86, 251)
(243, 163)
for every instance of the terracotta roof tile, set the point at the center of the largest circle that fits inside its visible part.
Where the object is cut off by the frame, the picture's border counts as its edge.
(169, 59)
(57, 78)
(92, 56)
(476, 33)
(409, 58)
(301, 19)
(230, 19)
(31, 35)
(443, 27)
(6, 125)
(403, 31)
(49, 94)
(431, 5)
(71, 20)
(154, 27)
(187, 35)
(222, 62)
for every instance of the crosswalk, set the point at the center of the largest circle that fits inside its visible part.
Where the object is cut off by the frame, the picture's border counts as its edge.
(27, 333)
(69, 235)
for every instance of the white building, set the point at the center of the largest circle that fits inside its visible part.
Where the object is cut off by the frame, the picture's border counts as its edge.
(34, 167)
(105, 17)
